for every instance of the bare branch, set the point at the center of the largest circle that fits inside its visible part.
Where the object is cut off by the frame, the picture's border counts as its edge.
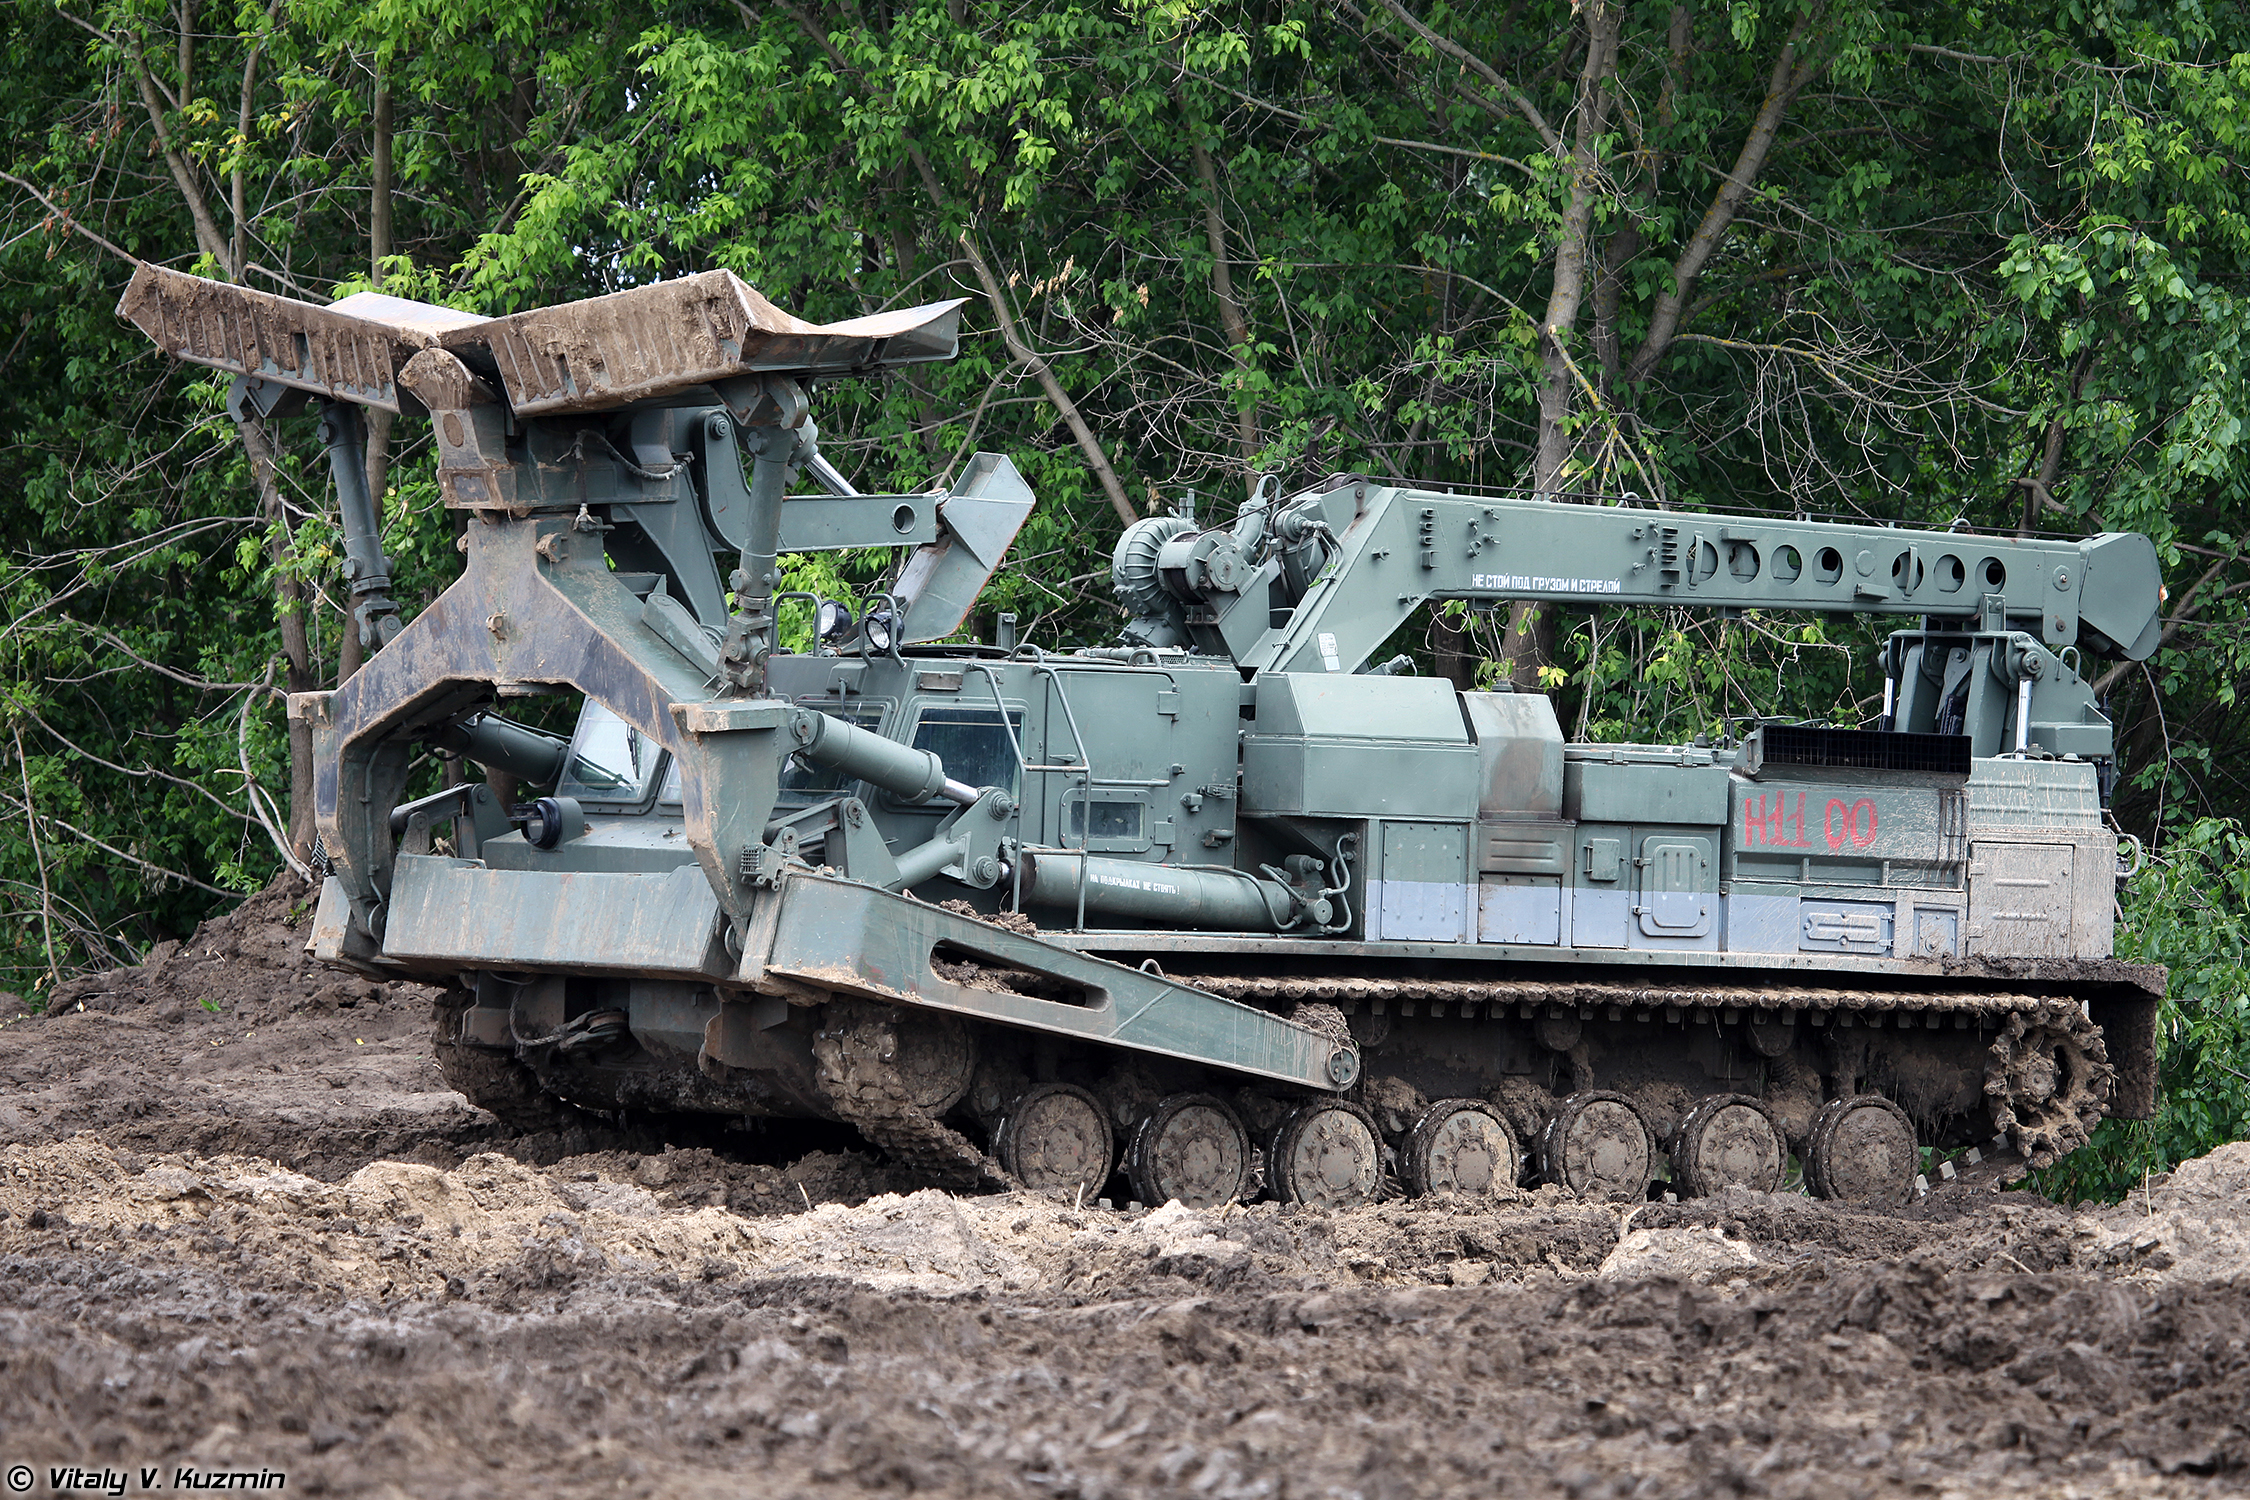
(69, 221)
(1514, 96)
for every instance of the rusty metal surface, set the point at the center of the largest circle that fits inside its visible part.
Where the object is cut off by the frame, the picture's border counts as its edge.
(344, 352)
(606, 351)
(592, 355)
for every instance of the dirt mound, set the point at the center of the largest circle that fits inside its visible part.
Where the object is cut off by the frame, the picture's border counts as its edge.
(578, 1328)
(243, 1225)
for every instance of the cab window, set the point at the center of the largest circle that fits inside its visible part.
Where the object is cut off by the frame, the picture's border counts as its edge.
(975, 745)
(610, 760)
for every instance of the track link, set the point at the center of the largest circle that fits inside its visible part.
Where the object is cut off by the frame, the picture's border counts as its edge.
(2047, 1079)
(854, 1050)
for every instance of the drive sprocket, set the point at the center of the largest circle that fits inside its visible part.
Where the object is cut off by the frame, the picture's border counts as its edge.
(2047, 1080)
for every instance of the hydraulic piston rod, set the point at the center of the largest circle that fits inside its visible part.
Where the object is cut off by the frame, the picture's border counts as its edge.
(915, 775)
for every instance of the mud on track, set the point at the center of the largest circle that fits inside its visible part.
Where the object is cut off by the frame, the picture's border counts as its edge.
(265, 1236)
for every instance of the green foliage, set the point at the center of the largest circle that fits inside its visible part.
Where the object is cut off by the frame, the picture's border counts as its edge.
(2188, 909)
(1986, 245)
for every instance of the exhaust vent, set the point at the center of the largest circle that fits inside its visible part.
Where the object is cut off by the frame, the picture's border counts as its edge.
(1789, 749)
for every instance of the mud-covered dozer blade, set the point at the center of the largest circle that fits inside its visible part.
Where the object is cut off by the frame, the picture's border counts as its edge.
(593, 355)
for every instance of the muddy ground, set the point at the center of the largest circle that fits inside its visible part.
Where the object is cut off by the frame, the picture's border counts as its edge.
(245, 1229)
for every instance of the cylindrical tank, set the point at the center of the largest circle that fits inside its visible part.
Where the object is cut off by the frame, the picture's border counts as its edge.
(1212, 900)
(916, 775)
(517, 749)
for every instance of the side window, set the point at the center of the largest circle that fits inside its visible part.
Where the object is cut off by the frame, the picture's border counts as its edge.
(1113, 821)
(1105, 819)
(610, 760)
(976, 747)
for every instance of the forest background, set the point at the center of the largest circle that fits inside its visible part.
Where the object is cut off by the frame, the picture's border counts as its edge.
(1925, 263)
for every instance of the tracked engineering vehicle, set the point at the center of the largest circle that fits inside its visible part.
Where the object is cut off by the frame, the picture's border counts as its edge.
(1222, 907)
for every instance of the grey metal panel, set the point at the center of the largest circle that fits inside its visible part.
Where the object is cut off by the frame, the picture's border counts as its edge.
(1520, 909)
(1760, 919)
(1421, 890)
(1599, 917)
(624, 846)
(2019, 899)
(1328, 778)
(1526, 848)
(332, 918)
(1937, 932)
(1678, 887)
(2033, 794)
(1597, 792)
(1827, 926)
(1520, 751)
(828, 523)
(942, 579)
(1431, 911)
(1389, 709)
(461, 913)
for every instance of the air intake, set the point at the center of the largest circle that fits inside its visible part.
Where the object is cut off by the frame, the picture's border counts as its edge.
(1786, 749)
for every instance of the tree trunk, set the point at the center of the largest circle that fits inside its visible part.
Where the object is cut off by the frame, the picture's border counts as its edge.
(231, 252)
(296, 646)
(1231, 318)
(1530, 641)
(379, 422)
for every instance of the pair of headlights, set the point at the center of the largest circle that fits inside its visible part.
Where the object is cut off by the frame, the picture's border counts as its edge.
(834, 624)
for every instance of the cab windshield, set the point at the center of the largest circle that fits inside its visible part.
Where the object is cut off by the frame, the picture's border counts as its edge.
(610, 760)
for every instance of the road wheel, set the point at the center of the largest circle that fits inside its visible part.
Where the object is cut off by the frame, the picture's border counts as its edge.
(1327, 1152)
(1055, 1140)
(1862, 1152)
(1462, 1146)
(1597, 1145)
(1190, 1148)
(1728, 1140)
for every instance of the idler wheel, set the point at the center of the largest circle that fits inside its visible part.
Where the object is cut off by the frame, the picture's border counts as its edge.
(1729, 1140)
(1462, 1146)
(1190, 1147)
(1598, 1146)
(1862, 1152)
(1055, 1141)
(1328, 1153)
(933, 1056)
